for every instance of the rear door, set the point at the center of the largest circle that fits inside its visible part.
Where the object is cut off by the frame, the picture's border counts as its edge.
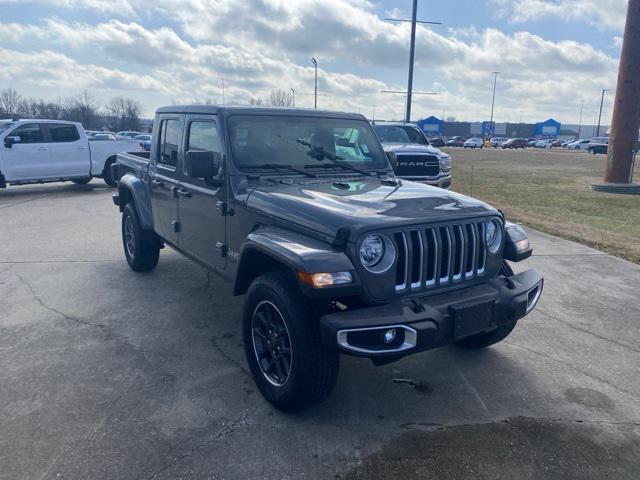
(203, 226)
(28, 159)
(69, 151)
(164, 176)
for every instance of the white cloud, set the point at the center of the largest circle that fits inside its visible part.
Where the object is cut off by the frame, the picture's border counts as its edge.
(603, 14)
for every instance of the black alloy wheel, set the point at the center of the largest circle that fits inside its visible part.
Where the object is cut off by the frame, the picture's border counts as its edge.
(271, 343)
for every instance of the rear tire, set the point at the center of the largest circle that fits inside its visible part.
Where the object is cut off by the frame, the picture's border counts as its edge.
(141, 247)
(279, 323)
(81, 181)
(107, 175)
(484, 340)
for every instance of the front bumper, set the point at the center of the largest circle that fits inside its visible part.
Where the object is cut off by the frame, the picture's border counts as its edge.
(443, 181)
(423, 323)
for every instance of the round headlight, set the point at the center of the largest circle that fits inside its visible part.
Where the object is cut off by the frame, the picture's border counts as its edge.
(493, 235)
(371, 251)
(377, 253)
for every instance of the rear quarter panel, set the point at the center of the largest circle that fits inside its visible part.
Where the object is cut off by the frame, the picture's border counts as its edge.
(103, 151)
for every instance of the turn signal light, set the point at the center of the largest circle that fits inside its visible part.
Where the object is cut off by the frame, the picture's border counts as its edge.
(320, 280)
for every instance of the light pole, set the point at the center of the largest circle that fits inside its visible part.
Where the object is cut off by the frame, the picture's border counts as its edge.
(373, 117)
(493, 99)
(293, 97)
(315, 90)
(600, 114)
(222, 79)
(580, 121)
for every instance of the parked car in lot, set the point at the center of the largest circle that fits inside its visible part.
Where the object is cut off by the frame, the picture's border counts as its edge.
(455, 142)
(515, 143)
(598, 145)
(582, 144)
(127, 134)
(542, 144)
(416, 159)
(302, 212)
(437, 142)
(473, 143)
(144, 140)
(556, 143)
(532, 142)
(39, 151)
(497, 142)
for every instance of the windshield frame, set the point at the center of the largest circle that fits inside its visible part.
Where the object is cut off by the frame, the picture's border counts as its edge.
(380, 162)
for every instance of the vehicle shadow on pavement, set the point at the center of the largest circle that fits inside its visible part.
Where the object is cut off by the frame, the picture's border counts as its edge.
(48, 189)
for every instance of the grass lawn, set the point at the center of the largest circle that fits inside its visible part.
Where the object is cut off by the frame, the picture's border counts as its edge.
(548, 189)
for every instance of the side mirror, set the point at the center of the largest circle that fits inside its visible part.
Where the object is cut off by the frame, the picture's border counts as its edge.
(393, 159)
(202, 164)
(9, 141)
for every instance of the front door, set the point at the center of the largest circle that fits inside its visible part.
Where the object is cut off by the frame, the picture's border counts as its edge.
(203, 225)
(28, 159)
(69, 153)
(164, 175)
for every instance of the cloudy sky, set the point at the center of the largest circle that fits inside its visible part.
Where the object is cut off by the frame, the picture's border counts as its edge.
(551, 53)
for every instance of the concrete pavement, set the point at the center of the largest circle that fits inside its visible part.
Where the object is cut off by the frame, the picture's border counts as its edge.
(111, 374)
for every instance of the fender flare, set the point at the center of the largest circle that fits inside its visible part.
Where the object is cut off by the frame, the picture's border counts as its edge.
(132, 188)
(294, 251)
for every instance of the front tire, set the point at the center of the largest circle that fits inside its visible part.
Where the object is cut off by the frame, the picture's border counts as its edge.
(484, 340)
(289, 363)
(141, 247)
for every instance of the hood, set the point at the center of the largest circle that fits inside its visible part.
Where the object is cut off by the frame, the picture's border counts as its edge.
(361, 204)
(412, 149)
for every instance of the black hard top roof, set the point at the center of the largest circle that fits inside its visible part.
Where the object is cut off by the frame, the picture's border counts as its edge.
(256, 110)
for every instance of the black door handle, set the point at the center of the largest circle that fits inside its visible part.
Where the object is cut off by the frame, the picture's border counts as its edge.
(158, 183)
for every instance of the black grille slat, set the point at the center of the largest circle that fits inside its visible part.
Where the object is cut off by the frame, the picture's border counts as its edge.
(440, 255)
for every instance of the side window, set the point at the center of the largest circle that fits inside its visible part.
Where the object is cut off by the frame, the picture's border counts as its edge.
(28, 133)
(170, 133)
(61, 133)
(203, 136)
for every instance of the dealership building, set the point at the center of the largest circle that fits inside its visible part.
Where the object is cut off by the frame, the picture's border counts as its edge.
(434, 126)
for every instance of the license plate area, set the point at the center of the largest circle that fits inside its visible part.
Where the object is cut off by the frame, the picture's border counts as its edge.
(472, 318)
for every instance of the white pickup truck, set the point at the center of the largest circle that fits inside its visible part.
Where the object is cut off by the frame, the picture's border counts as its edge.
(39, 151)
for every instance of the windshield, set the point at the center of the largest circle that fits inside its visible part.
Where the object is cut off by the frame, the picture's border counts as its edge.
(257, 140)
(4, 126)
(400, 134)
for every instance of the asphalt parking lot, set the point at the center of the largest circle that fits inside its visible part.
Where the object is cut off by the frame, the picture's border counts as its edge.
(111, 374)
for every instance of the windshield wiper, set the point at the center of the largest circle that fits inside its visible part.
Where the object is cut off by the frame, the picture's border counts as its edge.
(283, 166)
(318, 152)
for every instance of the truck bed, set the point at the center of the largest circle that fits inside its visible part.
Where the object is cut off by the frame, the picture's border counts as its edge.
(135, 163)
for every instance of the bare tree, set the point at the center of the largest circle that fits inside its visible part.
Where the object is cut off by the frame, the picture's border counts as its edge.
(11, 102)
(280, 98)
(256, 101)
(85, 109)
(123, 113)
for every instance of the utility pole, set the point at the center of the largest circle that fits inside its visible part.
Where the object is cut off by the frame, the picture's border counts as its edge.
(580, 121)
(412, 51)
(293, 97)
(600, 114)
(493, 99)
(623, 144)
(315, 97)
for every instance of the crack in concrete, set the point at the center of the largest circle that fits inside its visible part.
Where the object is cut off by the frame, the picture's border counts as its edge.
(235, 363)
(226, 430)
(41, 302)
(588, 332)
(24, 201)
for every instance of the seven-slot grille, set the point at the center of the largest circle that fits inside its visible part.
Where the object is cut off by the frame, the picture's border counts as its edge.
(418, 165)
(439, 255)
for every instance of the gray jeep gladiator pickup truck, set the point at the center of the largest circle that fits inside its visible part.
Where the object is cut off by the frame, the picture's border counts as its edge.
(301, 210)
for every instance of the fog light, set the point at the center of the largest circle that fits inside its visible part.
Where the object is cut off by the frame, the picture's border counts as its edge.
(319, 280)
(389, 335)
